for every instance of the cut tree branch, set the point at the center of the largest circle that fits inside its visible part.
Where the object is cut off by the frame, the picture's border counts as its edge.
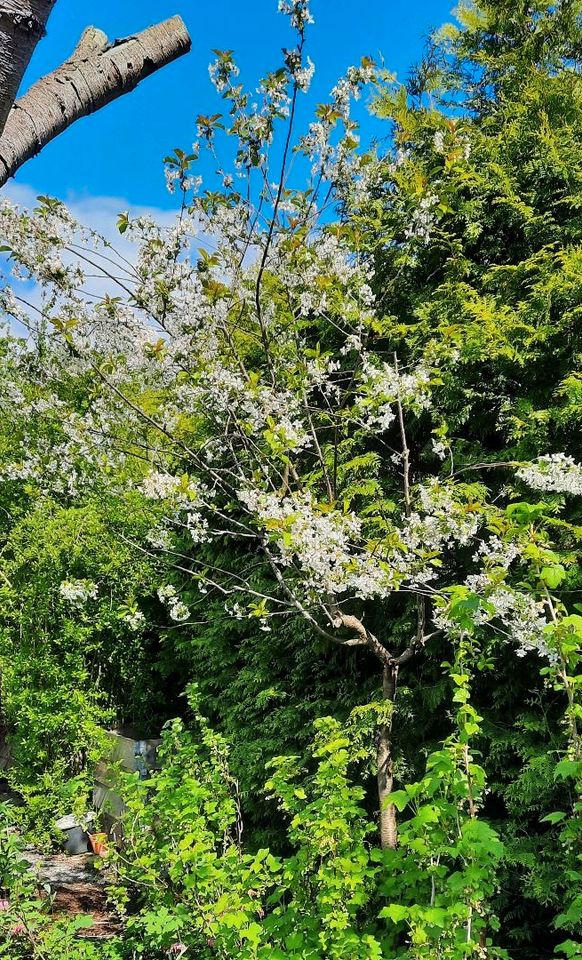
(97, 73)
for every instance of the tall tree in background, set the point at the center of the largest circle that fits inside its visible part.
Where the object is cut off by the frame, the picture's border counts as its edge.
(97, 72)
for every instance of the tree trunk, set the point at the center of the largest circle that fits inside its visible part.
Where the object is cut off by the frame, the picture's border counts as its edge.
(388, 825)
(96, 74)
(22, 24)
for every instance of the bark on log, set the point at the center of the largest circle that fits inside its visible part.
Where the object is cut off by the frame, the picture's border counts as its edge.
(22, 24)
(96, 74)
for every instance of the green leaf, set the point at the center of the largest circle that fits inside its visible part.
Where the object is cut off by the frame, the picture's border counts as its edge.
(555, 817)
(568, 769)
(553, 576)
(428, 813)
(395, 912)
(436, 916)
(399, 798)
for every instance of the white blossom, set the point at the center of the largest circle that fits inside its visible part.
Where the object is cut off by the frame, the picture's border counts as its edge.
(439, 141)
(555, 472)
(523, 617)
(304, 75)
(298, 11)
(497, 553)
(172, 175)
(77, 592)
(318, 540)
(135, 620)
(422, 220)
(177, 610)
(440, 448)
(160, 486)
(386, 386)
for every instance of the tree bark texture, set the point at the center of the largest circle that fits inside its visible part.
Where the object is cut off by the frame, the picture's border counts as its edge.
(97, 73)
(388, 824)
(22, 24)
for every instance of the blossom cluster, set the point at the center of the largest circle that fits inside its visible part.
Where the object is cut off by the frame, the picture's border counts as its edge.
(422, 220)
(385, 386)
(298, 12)
(177, 610)
(320, 541)
(555, 472)
(77, 592)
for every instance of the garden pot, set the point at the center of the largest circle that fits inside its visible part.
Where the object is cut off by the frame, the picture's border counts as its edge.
(75, 835)
(98, 843)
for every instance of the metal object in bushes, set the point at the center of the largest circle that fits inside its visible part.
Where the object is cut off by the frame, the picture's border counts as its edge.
(75, 835)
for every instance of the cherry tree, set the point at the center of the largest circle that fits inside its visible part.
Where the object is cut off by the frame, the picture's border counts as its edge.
(243, 383)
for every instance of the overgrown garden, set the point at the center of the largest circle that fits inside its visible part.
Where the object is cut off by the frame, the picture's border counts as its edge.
(300, 483)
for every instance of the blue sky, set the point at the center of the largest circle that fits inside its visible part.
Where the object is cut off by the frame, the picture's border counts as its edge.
(117, 153)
